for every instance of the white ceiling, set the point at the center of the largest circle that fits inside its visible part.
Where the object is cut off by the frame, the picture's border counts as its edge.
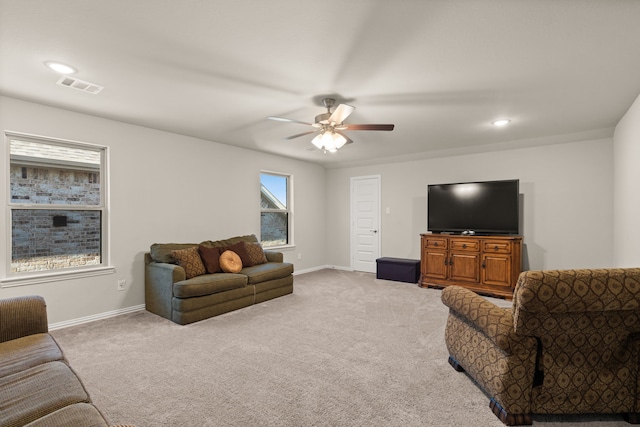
(441, 71)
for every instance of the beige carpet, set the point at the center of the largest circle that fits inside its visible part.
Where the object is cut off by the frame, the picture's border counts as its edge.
(345, 349)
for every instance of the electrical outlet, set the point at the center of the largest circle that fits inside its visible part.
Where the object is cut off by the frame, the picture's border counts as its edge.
(122, 284)
(299, 255)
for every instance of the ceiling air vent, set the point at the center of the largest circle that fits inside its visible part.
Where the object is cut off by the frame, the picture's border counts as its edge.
(80, 84)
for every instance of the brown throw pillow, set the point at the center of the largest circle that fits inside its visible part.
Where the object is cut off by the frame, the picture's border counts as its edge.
(239, 248)
(255, 253)
(189, 259)
(210, 258)
(230, 262)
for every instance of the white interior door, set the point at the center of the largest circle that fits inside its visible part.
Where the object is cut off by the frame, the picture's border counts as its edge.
(365, 223)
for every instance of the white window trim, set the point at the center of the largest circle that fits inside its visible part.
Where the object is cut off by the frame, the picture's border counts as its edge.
(50, 276)
(33, 277)
(289, 210)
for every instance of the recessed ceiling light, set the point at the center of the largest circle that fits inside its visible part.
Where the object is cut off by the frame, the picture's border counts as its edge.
(501, 122)
(60, 67)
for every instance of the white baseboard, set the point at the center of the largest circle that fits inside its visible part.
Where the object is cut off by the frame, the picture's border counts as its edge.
(310, 270)
(337, 267)
(94, 317)
(321, 267)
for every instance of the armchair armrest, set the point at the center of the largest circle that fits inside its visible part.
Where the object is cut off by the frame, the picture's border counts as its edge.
(22, 316)
(496, 323)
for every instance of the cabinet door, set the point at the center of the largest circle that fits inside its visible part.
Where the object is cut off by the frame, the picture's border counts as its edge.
(496, 269)
(464, 266)
(434, 264)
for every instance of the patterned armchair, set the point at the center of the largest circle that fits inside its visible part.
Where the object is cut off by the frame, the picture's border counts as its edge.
(569, 344)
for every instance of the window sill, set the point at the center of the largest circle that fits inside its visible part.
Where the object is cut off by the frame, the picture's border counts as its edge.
(280, 248)
(10, 282)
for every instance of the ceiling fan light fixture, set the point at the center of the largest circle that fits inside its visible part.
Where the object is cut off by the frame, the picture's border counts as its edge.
(329, 141)
(339, 140)
(317, 141)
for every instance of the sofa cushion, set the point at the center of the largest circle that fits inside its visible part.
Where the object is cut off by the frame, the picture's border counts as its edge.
(210, 258)
(190, 260)
(162, 252)
(232, 241)
(188, 310)
(38, 391)
(78, 414)
(230, 262)
(208, 284)
(269, 271)
(27, 352)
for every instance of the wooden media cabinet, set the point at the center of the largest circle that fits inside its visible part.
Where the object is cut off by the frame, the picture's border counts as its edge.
(488, 265)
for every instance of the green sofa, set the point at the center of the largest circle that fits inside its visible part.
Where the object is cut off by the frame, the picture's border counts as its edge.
(38, 388)
(170, 294)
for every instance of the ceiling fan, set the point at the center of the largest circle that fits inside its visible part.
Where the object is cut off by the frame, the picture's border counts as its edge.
(330, 126)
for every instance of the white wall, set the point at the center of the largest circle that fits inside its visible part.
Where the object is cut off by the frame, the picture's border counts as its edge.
(164, 188)
(566, 191)
(167, 187)
(626, 195)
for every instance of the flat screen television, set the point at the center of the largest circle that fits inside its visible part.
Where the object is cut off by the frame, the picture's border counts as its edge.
(489, 207)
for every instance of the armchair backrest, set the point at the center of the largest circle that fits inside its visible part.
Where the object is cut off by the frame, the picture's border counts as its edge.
(587, 324)
(545, 301)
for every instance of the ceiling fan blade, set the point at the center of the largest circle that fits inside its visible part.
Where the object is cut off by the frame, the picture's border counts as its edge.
(301, 134)
(368, 127)
(341, 112)
(282, 119)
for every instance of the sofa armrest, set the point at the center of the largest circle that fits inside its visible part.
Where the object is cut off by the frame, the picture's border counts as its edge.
(168, 273)
(496, 323)
(158, 286)
(274, 256)
(22, 316)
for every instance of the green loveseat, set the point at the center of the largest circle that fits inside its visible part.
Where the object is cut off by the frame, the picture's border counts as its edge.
(170, 294)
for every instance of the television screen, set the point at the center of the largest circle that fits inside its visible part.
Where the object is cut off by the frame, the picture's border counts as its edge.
(489, 207)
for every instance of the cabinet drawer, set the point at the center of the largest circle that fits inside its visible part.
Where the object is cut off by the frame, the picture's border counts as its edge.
(465, 245)
(497, 246)
(435, 243)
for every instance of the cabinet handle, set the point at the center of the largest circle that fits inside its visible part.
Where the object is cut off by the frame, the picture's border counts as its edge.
(495, 247)
(464, 246)
(484, 264)
(435, 243)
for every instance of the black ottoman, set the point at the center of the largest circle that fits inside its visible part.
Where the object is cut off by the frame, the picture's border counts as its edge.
(398, 269)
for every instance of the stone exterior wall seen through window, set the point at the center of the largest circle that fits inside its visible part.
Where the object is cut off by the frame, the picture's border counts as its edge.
(48, 239)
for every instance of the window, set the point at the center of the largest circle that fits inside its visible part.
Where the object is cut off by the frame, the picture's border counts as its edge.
(275, 213)
(57, 205)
